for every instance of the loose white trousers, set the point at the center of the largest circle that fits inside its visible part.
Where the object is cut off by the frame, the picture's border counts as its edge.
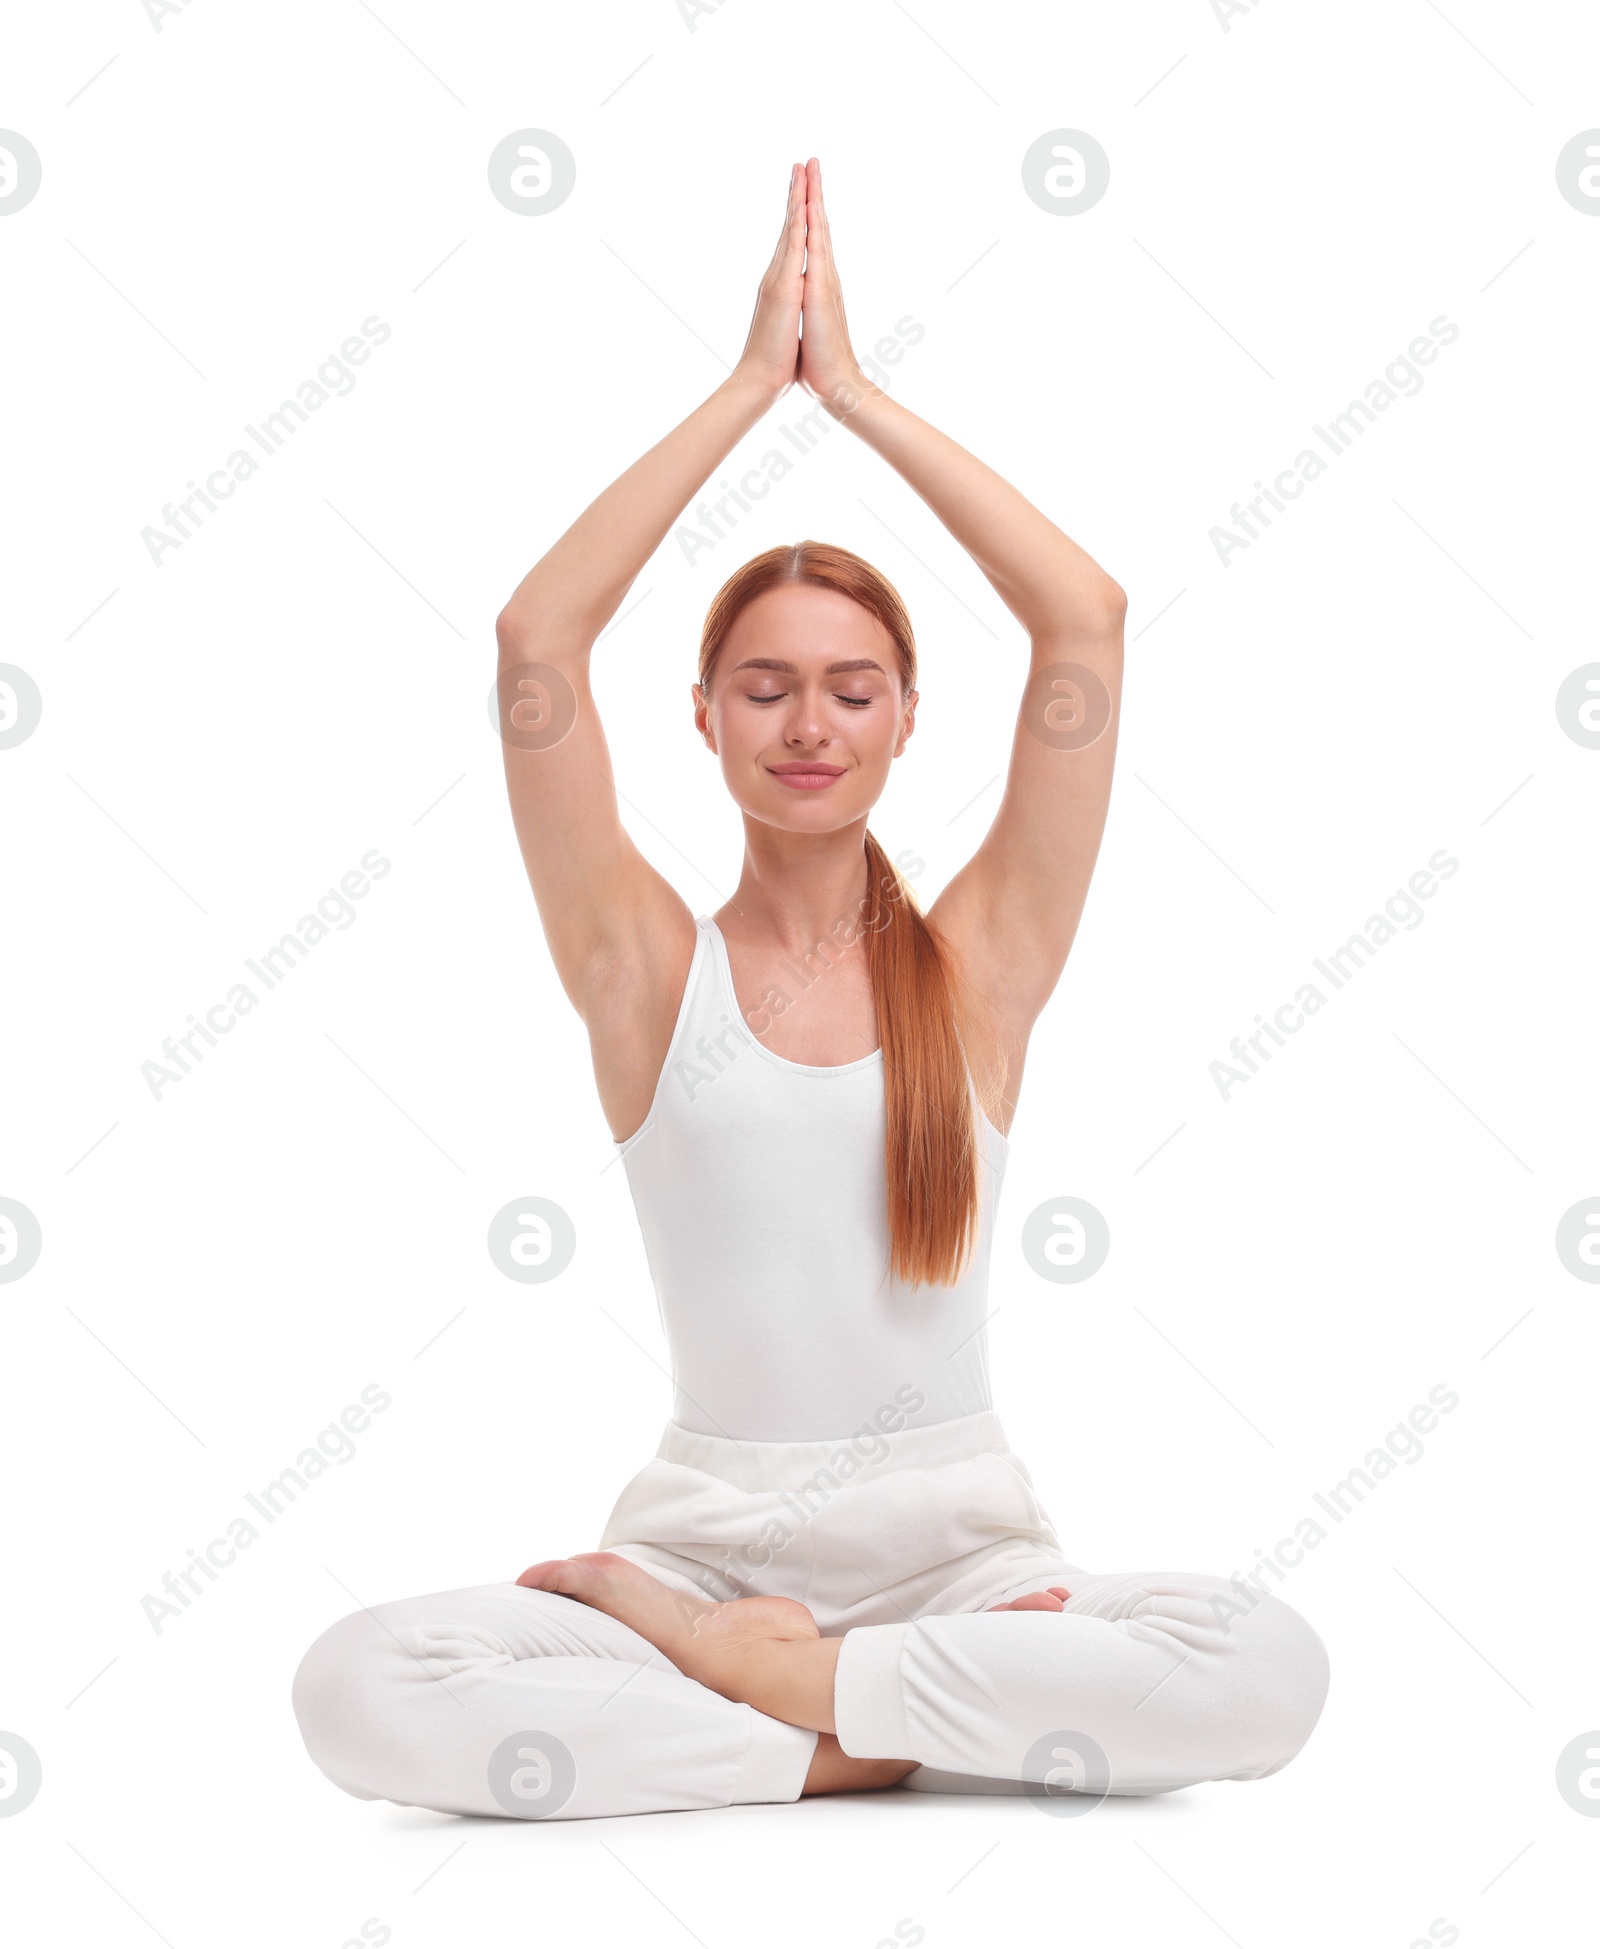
(503, 1701)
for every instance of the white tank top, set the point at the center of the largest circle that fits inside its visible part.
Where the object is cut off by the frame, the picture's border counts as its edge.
(760, 1189)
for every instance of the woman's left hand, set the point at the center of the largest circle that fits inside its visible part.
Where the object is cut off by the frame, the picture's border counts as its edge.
(771, 355)
(829, 370)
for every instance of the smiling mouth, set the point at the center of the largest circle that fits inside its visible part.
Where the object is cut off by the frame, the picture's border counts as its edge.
(806, 778)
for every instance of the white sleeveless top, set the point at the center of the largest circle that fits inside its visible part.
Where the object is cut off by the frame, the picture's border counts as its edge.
(760, 1189)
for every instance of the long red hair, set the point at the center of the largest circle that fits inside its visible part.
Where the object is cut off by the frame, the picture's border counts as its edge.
(930, 1141)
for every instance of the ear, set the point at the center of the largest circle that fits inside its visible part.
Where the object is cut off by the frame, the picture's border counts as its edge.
(908, 721)
(702, 715)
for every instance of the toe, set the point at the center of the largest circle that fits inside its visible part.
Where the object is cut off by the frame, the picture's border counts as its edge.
(538, 1576)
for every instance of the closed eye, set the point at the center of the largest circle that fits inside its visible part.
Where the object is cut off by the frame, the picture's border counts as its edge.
(777, 697)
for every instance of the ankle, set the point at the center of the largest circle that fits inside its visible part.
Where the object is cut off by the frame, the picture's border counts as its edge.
(834, 1771)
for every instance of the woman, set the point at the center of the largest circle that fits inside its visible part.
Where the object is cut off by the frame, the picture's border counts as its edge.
(834, 1574)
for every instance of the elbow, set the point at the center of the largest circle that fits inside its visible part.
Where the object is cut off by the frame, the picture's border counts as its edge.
(1111, 608)
(530, 633)
(512, 635)
(1086, 611)
(518, 628)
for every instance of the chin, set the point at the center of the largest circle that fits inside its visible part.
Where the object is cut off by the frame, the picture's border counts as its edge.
(792, 812)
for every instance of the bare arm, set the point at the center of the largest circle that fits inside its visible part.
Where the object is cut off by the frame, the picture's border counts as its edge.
(1012, 910)
(619, 934)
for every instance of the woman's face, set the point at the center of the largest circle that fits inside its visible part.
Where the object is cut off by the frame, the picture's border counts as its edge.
(805, 709)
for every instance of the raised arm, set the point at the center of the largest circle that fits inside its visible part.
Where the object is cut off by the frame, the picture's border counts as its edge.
(1012, 910)
(619, 934)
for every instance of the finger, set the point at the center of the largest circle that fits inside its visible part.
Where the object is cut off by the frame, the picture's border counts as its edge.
(795, 227)
(816, 211)
(793, 231)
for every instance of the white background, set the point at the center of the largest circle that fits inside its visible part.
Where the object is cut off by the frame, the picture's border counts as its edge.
(1293, 198)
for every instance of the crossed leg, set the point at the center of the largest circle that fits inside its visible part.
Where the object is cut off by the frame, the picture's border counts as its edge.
(760, 1651)
(518, 1699)
(764, 1652)
(502, 1701)
(1165, 1678)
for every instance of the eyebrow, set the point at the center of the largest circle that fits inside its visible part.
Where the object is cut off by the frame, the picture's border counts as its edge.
(793, 670)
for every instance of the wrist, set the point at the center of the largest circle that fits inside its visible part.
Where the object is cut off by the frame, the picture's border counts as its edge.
(846, 395)
(760, 390)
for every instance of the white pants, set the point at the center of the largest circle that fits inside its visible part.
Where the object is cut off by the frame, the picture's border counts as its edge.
(504, 1701)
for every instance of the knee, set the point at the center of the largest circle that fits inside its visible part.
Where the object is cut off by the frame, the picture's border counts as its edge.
(1277, 1681)
(338, 1706)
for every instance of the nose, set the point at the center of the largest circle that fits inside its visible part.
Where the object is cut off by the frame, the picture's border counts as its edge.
(806, 725)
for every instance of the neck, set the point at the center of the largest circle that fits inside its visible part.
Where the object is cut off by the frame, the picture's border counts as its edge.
(796, 889)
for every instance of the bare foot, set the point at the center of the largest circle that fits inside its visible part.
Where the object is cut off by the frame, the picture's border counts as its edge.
(696, 1633)
(760, 1651)
(1053, 1599)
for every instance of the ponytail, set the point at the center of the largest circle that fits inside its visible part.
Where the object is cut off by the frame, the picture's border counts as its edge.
(930, 1151)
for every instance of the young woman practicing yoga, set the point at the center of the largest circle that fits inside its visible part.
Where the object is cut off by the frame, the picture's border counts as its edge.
(834, 1574)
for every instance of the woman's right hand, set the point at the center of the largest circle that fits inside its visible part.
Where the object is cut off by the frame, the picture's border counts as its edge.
(771, 355)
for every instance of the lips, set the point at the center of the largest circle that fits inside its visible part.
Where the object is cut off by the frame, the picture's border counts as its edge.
(806, 777)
